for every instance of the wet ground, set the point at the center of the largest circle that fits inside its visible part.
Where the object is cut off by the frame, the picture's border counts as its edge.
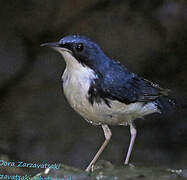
(104, 170)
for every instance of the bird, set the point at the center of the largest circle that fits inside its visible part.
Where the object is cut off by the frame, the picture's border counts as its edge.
(104, 92)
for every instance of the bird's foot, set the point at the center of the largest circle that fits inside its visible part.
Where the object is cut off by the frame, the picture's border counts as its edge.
(90, 168)
(101, 164)
(130, 165)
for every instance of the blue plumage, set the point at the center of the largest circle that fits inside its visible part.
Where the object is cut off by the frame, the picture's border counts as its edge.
(114, 81)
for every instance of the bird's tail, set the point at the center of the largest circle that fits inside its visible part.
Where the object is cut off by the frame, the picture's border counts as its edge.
(167, 105)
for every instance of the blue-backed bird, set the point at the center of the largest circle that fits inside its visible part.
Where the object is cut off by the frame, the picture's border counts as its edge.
(103, 91)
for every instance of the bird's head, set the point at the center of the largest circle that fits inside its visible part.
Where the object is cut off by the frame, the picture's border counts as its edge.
(80, 49)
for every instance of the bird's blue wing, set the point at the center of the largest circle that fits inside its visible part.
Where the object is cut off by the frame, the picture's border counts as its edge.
(124, 86)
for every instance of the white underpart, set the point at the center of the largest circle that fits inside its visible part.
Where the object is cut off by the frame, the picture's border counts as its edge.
(76, 83)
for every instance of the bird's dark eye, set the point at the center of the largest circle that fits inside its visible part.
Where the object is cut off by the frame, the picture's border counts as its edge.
(79, 47)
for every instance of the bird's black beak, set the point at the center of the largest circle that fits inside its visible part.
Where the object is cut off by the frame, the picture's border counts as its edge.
(56, 46)
(53, 44)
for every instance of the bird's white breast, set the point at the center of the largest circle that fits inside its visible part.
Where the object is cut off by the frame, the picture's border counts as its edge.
(76, 83)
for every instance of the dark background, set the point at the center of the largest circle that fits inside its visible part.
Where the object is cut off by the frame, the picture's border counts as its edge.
(36, 122)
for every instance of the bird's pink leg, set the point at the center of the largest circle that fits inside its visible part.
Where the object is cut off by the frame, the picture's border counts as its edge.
(133, 136)
(108, 135)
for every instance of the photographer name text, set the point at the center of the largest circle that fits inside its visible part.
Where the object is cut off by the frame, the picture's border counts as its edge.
(22, 164)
